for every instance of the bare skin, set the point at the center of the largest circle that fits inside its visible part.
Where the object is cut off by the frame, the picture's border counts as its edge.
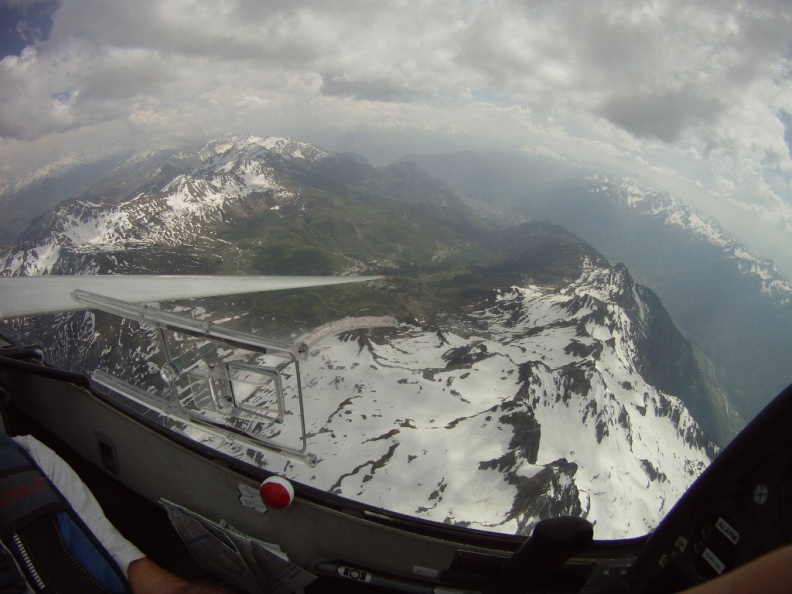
(146, 577)
(768, 574)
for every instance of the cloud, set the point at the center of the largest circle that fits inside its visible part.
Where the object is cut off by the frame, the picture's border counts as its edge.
(656, 71)
(665, 115)
(380, 89)
(786, 120)
(659, 70)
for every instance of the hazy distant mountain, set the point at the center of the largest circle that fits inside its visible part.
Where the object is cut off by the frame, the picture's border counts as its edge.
(732, 303)
(525, 374)
(113, 177)
(38, 193)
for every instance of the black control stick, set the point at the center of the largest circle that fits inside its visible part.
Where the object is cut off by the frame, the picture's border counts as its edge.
(552, 542)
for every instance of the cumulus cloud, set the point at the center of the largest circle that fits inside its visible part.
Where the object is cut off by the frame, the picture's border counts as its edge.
(656, 70)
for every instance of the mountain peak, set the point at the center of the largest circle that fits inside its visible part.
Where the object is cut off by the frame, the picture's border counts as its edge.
(628, 193)
(500, 392)
(250, 146)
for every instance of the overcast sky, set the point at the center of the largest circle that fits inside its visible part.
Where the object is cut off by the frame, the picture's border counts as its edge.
(694, 97)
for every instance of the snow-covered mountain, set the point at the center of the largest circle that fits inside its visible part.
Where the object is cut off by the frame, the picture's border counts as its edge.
(540, 381)
(230, 172)
(107, 172)
(730, 302)
(533, 407)
(671, 211)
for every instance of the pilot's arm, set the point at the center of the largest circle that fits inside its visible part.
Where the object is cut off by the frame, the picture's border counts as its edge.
(769, 574)
(146, 577)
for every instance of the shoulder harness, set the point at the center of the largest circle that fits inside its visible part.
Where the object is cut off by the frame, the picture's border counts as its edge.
(49, 542)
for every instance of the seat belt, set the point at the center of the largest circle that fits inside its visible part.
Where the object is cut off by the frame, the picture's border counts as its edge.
(48, 540)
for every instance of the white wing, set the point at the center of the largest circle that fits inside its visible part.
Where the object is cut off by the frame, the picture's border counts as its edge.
(33, 295)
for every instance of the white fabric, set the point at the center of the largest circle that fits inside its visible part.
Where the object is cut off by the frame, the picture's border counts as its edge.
(82, 501)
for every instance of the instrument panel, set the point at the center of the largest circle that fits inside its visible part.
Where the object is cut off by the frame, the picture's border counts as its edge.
(739, 509)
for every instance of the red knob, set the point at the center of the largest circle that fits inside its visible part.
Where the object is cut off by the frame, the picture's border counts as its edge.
(276, 492)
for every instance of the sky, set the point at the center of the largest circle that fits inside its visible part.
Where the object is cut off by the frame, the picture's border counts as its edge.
(692, 97)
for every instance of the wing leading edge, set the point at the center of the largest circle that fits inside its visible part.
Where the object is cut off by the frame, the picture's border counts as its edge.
(34, 295)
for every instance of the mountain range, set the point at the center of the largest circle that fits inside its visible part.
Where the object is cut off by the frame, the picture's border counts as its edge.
(534, 405)
(559, 385)
(731, 303)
